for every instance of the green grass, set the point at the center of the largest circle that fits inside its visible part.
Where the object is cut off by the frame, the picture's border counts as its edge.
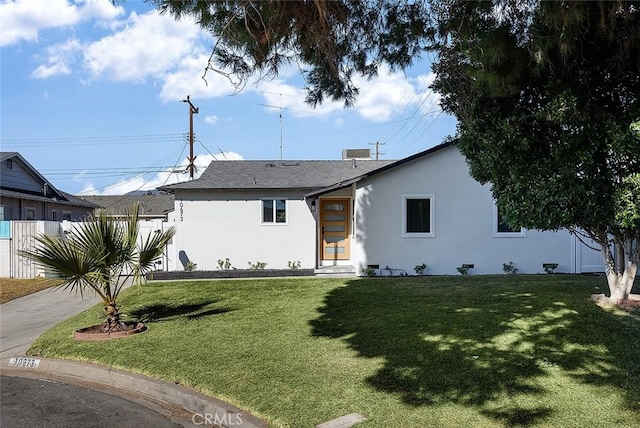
(475, 351)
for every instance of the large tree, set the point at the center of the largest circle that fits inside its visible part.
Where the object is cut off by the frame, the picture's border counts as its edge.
(546, 93)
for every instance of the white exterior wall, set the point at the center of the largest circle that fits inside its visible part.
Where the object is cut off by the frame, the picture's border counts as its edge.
(219, 225)
(5, 257)
(463, 225)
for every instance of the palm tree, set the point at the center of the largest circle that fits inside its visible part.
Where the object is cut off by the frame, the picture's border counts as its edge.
(101, 254)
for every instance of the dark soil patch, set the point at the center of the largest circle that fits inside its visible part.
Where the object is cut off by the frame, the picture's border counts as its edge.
(220, 274)
(96, 332)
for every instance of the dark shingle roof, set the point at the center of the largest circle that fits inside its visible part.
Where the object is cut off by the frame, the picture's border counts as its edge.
(301, 174)
(66, 199)
(150, 205)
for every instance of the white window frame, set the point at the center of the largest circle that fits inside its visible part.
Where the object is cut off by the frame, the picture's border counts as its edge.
(432, 216)
(274, 222)
(496, 234)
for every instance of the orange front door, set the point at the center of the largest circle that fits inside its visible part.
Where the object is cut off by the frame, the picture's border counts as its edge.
(334, 226)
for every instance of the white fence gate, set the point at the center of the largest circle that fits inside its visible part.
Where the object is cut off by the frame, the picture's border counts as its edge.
(16, 236)
(588, 260)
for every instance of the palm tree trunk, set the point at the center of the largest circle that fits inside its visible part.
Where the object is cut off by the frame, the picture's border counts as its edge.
(113, 322)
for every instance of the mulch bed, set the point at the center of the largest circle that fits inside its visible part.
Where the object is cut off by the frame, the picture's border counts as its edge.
(237, 273)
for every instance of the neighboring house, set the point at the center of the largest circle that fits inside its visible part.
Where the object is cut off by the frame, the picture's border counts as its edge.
(30, 205)
(152, 206)
(352, 214)
(153, 214)
(26, 195)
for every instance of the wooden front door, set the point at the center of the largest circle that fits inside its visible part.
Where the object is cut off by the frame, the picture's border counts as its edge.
(334, 229)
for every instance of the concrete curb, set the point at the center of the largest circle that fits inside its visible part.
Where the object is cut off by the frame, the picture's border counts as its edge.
(204, 410)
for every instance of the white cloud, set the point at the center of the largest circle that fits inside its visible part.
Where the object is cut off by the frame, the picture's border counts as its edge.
(382, 97)
(187, 78)
(278, 93)
(148, 45)
(430, 101)
(163, 178)
(211, 119)
(59, 59)
(22, 20)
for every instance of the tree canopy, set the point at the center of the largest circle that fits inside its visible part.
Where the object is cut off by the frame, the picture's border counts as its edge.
(331, 41)
(546, 93)
(547, 96)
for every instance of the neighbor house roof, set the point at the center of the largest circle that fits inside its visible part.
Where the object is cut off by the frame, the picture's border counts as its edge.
(158, 205)
(52, 194)
(299, 174)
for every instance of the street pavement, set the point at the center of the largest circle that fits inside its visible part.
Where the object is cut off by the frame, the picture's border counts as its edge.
(27, 402)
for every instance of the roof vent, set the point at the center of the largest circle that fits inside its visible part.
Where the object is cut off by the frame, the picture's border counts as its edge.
(356, 154)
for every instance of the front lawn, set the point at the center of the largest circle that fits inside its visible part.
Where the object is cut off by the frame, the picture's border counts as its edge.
(13, 288)
(472, 351)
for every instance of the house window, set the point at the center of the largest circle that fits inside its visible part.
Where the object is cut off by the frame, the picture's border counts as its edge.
(274, 211)
(66, 215)
(9, 163)
(29, 213)
(418, 216)
(54, 215)
(503, 230)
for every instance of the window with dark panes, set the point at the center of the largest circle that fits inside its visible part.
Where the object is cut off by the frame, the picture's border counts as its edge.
(418, 215)
(274, 211)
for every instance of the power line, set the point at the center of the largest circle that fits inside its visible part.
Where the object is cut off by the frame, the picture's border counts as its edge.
(123, 139)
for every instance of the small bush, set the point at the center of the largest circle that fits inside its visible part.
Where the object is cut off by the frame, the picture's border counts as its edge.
(257, 266)
(224, 264)
(509, 268)
(190, 266)
(369, 271)
(294, 265)
(420, 268)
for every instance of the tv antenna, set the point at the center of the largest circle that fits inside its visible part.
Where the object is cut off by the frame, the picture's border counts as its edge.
(280, 108)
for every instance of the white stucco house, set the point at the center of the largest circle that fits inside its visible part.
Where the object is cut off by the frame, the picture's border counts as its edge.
(350, 214)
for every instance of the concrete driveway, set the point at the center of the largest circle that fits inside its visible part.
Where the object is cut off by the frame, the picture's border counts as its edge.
(23, 320)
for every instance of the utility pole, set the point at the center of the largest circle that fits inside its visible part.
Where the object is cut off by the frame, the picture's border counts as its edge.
(192, 109)
(377, 144)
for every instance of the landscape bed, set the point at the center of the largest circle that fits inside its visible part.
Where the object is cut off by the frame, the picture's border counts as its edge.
(490, 351)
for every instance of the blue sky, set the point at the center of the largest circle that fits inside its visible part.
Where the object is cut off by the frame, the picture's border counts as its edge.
(91, 97)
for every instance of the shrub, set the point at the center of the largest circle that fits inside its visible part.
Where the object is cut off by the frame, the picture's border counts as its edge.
(509, 268)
